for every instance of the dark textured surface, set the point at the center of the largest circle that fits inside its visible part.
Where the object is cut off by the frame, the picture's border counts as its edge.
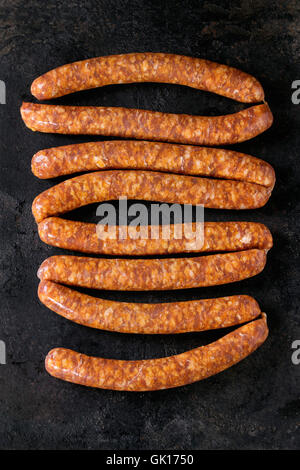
(256, 403)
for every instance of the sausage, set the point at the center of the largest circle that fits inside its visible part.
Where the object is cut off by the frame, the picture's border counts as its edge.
(216, 236)
(149, 186)
(142, 155)
(155, 318)
(148, 125)
(153, 274)
(148, 67)
(162, 373)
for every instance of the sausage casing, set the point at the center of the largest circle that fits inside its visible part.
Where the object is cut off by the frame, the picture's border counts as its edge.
(156, 156)
(148, 125)
(143, 318)
(162, 373)
(150, 186)
(216, 236)
(153, 274)
(148, 67)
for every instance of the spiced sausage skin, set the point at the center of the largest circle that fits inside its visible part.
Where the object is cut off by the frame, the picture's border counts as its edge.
(148, 125)
(143, 318)
(162, 373)
(150, 186)
(156, 156)
(153, 274)
(213, 236)
(148, 67)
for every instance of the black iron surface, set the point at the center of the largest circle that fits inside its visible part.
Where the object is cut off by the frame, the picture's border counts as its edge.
(252, 405)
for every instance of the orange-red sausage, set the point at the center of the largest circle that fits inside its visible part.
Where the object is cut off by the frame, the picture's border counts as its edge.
(153, 274)
(148, 67)
(212, 236)
(148, 125)
(162, 373)
(150, 186)
(154, 318)
(157, 156)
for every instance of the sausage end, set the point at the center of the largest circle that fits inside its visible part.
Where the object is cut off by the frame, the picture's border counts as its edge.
(39, 164)
(53, 362)
(43, 271)
(42, 89)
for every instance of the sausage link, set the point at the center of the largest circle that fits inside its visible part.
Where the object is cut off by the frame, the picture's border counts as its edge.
(216, 236)
(185, 159)
(158, 318)
(162, 373)
(148, 125)
(153, 274)
(150, 186)
(148, 67)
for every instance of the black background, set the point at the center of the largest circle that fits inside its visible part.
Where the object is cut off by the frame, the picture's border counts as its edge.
(254, 405)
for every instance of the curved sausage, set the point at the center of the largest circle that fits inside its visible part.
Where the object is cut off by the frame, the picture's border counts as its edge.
(148, 125)
(149, 186)
(216, 236)
(152, 274)
(162, 373)
(141, 155)
(154, 318)
(148, 67)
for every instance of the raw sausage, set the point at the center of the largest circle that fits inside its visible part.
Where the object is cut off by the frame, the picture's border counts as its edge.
(214, 236)
(148, 125)
(148, 67)
(150, 186)
(153, 274)
(162, 373)
(153, 318)
(157, 156)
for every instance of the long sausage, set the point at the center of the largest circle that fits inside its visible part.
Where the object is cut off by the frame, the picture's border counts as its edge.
(154, 318)
(150, 186)
(157, 156)
(162, 373)
(148, 67)
(153, 274)
(148, 125)
(215, 236)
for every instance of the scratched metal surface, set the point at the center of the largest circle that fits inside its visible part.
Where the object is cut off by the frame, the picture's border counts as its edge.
(254, 404)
